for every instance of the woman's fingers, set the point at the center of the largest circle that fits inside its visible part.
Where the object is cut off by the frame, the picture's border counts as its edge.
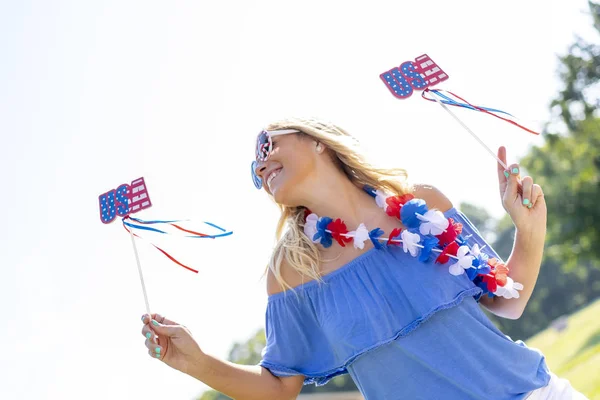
(157, 330)
(163, 320)
(537, 195)
(154, 349)
(527, 196)
(148, 333)
(502, 156)
(158, 318)
(512, 187)
(155, 354)
(149, 329)
(502, 173)
(153, 346)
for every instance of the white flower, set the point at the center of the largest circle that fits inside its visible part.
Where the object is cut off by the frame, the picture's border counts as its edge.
(434, 223)
(465, 261)
(456, 269)
(361, 234)
(510, 290)
(380, 199)
(310, 227)
(409, 242)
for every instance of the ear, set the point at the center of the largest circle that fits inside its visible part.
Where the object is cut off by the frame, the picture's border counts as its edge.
(319, 148)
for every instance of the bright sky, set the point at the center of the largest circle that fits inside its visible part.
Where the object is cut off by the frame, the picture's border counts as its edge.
(95, 94)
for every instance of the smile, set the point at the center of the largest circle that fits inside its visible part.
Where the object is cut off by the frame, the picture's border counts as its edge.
(272, 176)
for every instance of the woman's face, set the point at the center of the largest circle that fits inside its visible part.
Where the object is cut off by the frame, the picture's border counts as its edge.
(285, 174)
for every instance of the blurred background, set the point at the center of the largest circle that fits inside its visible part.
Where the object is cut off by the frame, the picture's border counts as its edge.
(96, 94)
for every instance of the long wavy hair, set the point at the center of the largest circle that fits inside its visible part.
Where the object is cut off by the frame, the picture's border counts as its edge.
(292, 244)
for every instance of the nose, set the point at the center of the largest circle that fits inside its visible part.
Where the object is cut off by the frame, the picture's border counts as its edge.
(260, 168)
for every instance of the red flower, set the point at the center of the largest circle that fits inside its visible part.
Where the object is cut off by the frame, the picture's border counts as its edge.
(337, 228)
(307, 212)
(454, 229)
(498, 275)
(490, 281)
(444, 256)
(394, 234)
(395, 203)
(499, 270)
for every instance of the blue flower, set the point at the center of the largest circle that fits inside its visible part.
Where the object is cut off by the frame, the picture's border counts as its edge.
(482, 265)
(460, 239)
(428, 242)
(485, 269)
(322, 234)
(408, 211)
(478, 281)
(374, 235)
(472, 273)
(370, 191)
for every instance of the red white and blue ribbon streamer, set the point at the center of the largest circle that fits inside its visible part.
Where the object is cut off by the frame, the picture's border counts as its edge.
(143, 225)
(448, 99)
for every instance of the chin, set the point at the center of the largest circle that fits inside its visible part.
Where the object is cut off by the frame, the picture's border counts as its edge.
(284, 196)
(279, 196)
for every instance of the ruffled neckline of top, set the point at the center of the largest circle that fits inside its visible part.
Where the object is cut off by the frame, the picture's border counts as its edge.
(344, 268)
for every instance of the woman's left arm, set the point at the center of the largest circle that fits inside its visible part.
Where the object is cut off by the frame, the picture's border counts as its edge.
(528, 212)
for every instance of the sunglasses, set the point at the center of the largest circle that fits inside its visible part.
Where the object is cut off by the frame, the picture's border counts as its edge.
(264, 149)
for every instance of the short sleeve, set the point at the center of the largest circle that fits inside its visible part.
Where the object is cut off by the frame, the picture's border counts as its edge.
(295, 342)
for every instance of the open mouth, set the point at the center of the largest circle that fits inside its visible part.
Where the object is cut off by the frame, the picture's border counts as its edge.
(272, 176)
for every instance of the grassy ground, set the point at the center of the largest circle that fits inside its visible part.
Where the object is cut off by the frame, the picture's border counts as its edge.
(574, 353)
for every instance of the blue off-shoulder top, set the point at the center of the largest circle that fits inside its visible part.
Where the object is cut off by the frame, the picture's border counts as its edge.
(402, 329)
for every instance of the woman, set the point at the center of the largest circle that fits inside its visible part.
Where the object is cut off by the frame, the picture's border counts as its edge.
(392, 310)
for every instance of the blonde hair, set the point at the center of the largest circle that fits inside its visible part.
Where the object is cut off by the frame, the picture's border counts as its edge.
(299, 251)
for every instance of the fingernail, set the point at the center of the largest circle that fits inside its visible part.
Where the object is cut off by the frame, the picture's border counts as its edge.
(157, 355)
(148, 335)
(506, 174)
(515, 170)
(143, 317)
(154, 323)
(529, 205)
(157, 350)
(525, 202)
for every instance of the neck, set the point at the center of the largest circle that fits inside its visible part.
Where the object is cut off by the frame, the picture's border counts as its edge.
(337, 197)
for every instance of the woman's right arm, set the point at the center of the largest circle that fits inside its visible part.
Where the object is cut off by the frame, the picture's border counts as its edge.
(245, 382)
(174, 345)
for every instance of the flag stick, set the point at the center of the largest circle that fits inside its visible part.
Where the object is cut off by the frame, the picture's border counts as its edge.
(137, 259)
(519, 186)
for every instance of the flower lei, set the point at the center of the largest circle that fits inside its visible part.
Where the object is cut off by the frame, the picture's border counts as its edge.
(426, 232)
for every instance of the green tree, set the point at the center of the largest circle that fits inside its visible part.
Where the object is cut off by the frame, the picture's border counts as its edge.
(579, 70)
(568, 164)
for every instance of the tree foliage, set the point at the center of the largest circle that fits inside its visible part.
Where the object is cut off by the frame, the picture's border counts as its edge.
(579, 71)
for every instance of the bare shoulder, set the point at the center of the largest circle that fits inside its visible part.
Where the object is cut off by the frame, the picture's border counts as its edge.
(432, 196)
(273, 286)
